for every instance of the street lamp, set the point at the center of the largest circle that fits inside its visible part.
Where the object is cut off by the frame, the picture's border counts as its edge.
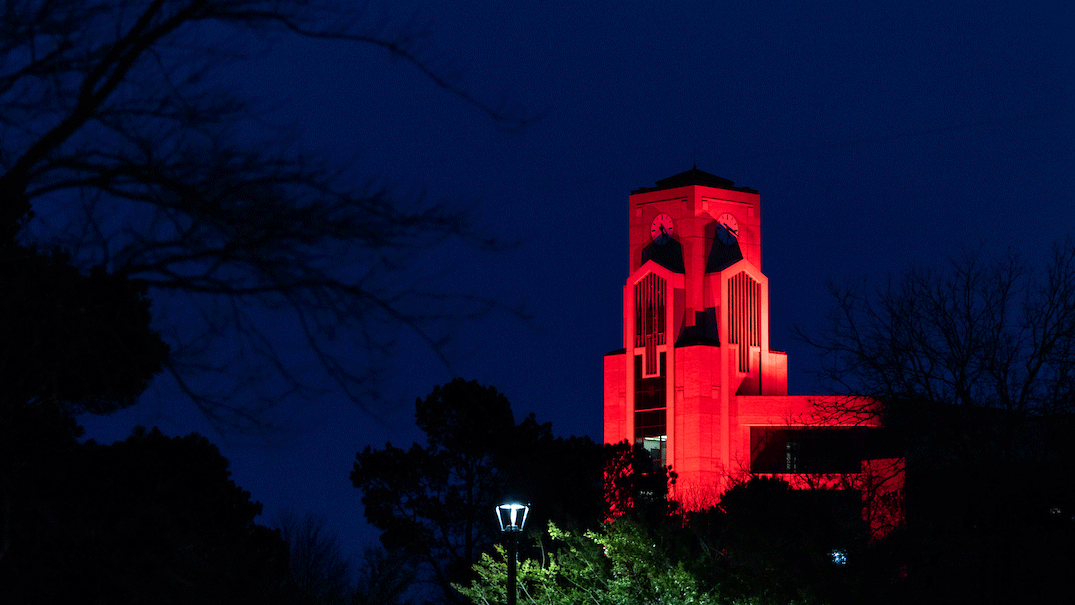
(512, 519)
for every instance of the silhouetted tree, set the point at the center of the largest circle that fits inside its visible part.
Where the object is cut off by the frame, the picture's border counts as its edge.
(120, 144)
(320, 574)
(436, 500)
(976, 367)
(981, 334)
(79, 342)
(151, 519)
(633, 486)
(768, 543)
(385, 578)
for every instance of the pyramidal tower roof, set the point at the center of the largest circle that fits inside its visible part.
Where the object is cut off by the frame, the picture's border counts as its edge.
(694, 177)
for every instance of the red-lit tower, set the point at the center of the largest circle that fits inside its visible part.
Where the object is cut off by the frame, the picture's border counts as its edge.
(696, 383)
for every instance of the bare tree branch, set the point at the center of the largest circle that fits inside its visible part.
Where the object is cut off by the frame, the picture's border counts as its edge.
(117, 137)
(983, 334)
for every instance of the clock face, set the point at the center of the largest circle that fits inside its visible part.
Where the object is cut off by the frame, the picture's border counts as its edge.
(728, 233)
(661, 229)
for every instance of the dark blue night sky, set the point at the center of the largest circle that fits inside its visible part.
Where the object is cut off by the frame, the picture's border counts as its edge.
(879, 135)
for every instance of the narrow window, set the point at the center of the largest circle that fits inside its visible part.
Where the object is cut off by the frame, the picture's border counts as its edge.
(744, 318)
(791, 457)
(650, 319)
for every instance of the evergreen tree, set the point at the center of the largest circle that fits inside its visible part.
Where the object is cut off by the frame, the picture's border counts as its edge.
(436, 501)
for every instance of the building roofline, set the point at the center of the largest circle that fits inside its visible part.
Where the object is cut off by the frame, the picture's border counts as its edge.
(694, 177)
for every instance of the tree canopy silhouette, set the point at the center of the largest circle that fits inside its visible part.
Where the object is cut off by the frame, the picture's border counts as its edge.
(148, 519)
(436, 500)
(79, 342)
(122, 143)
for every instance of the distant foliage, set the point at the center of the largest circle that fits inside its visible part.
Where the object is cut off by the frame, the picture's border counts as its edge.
(385, 578)
(319, 571)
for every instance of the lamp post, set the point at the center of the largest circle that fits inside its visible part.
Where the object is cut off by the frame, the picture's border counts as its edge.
(512, 519)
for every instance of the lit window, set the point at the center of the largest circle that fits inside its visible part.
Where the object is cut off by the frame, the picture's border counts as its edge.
(651, 429)
(791, 457)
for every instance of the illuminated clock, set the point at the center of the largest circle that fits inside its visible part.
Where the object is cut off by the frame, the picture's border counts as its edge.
(729, 231)
(661, 229)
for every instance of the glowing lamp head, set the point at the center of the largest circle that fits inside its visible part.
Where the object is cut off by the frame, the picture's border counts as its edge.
(512, 516)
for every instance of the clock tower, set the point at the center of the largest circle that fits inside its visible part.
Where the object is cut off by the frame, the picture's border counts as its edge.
(696, 383)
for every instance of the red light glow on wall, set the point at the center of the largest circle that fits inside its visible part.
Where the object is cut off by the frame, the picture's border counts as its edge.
(696, 383)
